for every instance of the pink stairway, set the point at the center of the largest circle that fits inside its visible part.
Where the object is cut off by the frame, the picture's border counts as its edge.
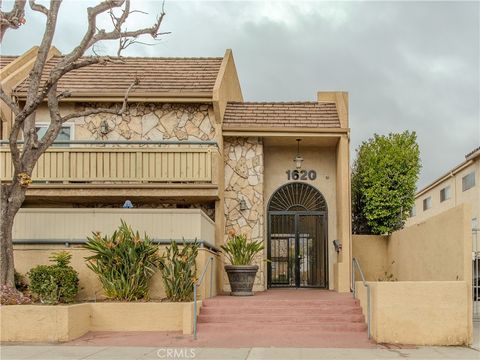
(284, 317)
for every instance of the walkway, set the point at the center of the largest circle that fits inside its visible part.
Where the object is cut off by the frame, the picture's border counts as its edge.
(149, 353)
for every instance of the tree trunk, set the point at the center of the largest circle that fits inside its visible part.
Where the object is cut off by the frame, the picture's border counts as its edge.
(11, 199)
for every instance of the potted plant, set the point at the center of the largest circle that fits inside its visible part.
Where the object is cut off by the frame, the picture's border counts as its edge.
(240, 253)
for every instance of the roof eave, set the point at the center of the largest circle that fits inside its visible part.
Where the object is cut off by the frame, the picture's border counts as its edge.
(136, 97)
(283, 131)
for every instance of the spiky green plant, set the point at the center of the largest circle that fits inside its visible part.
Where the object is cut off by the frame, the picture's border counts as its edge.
(179, 271)
(124, 262)
(239, 251)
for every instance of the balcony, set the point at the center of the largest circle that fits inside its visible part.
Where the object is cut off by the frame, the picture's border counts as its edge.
(111, 165)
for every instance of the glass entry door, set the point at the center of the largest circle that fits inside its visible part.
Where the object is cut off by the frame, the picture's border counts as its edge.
(297, 249)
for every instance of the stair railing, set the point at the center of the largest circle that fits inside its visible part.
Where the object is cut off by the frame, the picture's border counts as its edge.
(195, 287)
(356, 264)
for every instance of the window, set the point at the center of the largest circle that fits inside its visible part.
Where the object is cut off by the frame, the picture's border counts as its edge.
(413, 211)
(427, 203)
(445, 193)
(468, 181)
(65, 134)
(475, 224)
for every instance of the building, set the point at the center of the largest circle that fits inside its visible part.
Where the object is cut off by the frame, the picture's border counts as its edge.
(195, 160)
(458, 186)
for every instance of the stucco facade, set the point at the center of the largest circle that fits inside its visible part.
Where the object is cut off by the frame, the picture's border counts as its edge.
(453, 182)
(198, 145)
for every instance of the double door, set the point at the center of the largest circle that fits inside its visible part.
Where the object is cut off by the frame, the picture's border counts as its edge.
(297, 249)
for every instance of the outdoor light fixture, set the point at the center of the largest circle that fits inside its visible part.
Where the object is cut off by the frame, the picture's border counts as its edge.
(338, 245)
(104, 127)
(243, 205)
(298, 159)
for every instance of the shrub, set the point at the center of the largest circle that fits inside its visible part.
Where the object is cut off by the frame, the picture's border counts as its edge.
(124, 263)
(239, 251)
(57, 283)
(11, 296)
(384, 178)
(179, 271)
(20, 282)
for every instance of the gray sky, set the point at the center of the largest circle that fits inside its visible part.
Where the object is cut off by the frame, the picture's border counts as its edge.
(406, 65)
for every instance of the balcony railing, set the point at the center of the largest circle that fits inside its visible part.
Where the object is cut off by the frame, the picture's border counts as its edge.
(112, 161)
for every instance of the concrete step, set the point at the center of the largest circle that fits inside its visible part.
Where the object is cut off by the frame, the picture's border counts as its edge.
(238, 302)
(263, 329)
(280, 318)
(292, 310)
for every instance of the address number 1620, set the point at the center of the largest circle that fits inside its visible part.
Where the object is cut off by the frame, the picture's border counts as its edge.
(301, 174)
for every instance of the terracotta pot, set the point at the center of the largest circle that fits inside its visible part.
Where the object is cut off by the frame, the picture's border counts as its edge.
(241, 278)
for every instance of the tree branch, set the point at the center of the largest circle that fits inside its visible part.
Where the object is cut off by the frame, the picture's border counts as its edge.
(115, 111)
(8, 100)
(12, 19)
(38, 7)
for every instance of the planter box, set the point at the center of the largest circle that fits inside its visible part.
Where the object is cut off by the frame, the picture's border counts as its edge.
(59, 323)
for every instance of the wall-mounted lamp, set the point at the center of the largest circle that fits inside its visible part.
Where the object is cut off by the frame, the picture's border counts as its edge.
(338, 245)
(104, 127)
(298, 159)
(243, 205)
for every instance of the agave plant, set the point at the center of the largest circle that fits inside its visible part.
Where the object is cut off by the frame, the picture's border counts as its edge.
(179, 270)
(239, 251)
(124, 262)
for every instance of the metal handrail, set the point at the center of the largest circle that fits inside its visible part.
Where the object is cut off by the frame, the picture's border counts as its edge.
(356, 264)
(195, 287)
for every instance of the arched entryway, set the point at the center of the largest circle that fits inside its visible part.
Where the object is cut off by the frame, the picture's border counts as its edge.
(297, 237)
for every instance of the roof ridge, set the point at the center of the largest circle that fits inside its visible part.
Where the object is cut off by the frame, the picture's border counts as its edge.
(155, 57)
(275, 102)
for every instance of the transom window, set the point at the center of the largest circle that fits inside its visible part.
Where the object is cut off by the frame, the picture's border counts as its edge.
(468, 181)
(445, 193)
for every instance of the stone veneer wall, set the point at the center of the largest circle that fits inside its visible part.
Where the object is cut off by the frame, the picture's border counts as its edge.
(244, 180)
(149, 121)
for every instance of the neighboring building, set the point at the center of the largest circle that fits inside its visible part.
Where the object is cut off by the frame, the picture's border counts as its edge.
(459, 185)
(188, 140)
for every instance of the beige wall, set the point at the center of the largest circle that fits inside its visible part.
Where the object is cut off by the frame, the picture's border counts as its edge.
(27, 323)
(438, 249)
(418, 312)
(430, 301)
(227, 87)
(371, 253)
(279, 159)
(28, 256)
(79, 223)
(471, 196)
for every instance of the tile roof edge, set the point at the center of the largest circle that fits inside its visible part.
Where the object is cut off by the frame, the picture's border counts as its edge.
(278, 102)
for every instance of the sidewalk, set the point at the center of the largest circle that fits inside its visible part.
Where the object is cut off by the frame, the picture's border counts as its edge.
(49, 352)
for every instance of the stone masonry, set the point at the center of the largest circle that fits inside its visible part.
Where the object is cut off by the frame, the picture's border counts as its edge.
(244, 180)
(149, 121)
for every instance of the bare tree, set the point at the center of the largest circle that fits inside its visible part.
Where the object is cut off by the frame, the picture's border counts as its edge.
(25, 157)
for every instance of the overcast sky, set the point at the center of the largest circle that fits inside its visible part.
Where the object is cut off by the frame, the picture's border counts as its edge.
(406, 65)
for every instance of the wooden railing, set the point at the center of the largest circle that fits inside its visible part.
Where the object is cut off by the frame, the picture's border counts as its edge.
(118, 164)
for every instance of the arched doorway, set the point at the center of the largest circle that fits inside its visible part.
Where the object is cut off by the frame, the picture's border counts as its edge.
(297, 237)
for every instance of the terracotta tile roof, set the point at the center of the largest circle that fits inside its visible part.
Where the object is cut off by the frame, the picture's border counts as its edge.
(281, 114)
(5, 60)
(472, 152)
(157, 75)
